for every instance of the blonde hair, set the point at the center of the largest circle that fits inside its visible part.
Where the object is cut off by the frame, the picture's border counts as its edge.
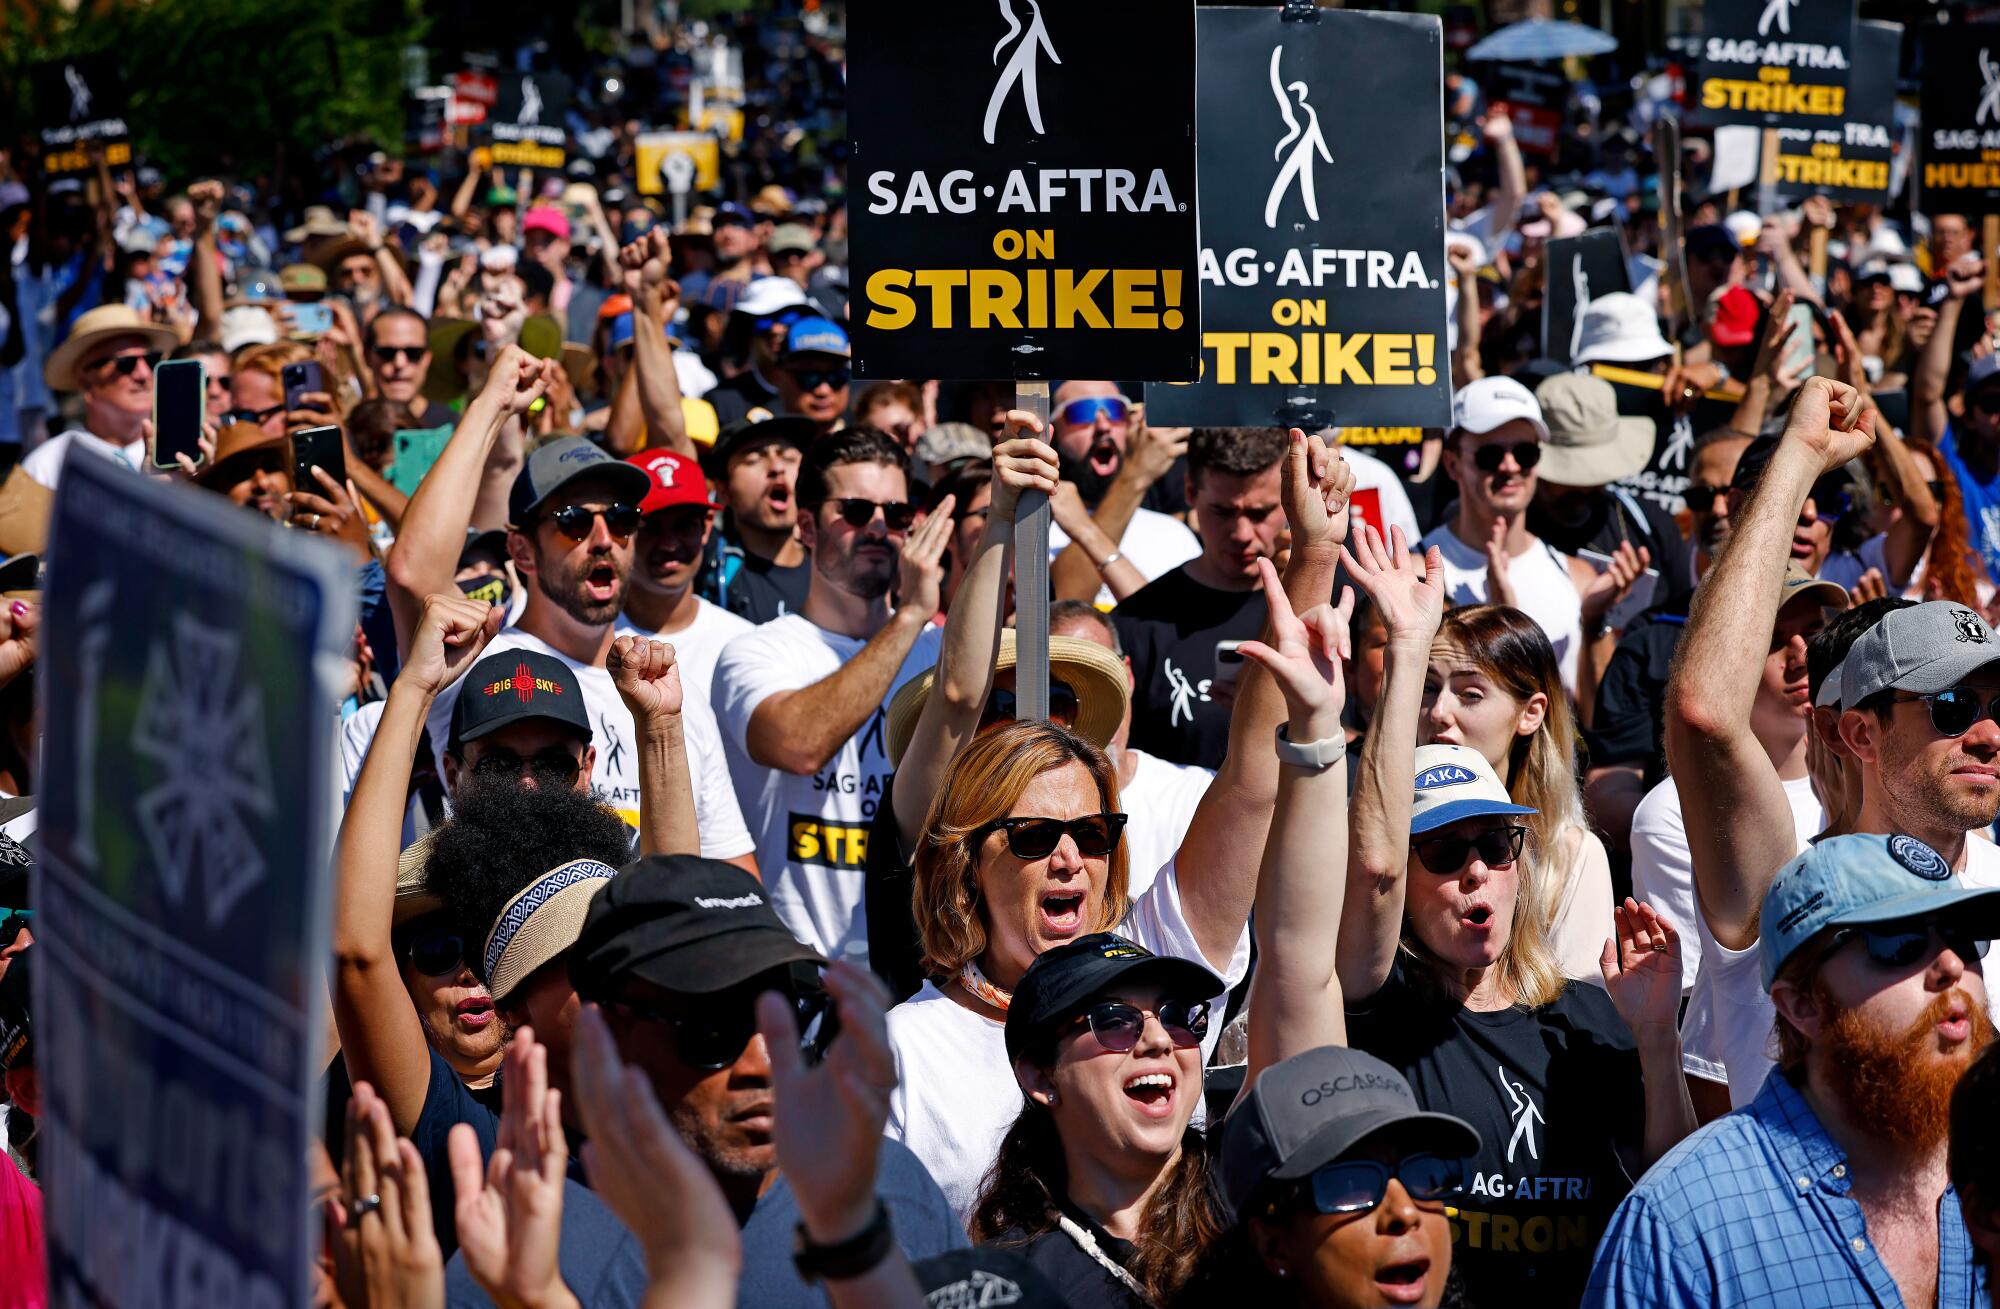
(985, 781)
(1511, 650)
(271, 359)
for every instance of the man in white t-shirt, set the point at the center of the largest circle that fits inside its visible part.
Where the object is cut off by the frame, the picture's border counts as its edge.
(1113, 459)
(109, 356)
(802, 698)
(1159, 797)
(677, 516)
(1916, 694)
(1491, 452)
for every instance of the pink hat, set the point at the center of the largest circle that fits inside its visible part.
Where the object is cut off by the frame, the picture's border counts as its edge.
(547, 220)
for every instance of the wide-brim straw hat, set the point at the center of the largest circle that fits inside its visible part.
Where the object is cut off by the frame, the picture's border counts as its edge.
(1093, 672)
(59, 370)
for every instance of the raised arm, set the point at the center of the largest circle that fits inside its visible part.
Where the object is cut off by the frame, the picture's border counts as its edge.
(1149, 453)
(800, 731)
(1295, 998)
(1223, 850)
(1896, 472)
(1743, 831)
(1087, 544)
(1928, 416)
(1641, 967)
(1504, 211)
(367, 229)
(205, 265)
(380, 1034)
(972, 629)
(649, 682)
(656, 299)
(425, 555)
(1465, 365)
(1410, 598)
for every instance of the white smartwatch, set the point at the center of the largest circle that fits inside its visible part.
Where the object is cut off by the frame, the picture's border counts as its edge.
(1316, 755)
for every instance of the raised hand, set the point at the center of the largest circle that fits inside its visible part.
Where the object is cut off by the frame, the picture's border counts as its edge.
(206, 196)
(1832, 420)
(518, 379)
(1616, 581)
(648, 677)
(1868, 586)
(920, 571)
(1966, 276)
(1305, 661)
(1152, 451)
(450, 634)
(1642, 969)
(1318, 489)
(1409, 595)
(387, 1254)
(362, 226)
(20, 623)
(1021, 463)
(643, 263)
(510, 1218)
(643, 1171)
(1499, 582)
(828, 1117)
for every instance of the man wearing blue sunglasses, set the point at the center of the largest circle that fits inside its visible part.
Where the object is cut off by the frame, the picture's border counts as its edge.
(1114, 460)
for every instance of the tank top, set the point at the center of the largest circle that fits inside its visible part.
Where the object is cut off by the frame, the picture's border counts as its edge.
(1542, 588)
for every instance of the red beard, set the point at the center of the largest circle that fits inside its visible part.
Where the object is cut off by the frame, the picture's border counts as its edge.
(1899, 1084)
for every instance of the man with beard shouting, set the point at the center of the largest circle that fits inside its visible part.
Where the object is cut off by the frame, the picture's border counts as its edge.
(1831, 1187)
(1116, 463)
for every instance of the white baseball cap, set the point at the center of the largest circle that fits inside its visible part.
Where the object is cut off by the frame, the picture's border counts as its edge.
(1493, 402)
(1620, 328)
(1455, 782)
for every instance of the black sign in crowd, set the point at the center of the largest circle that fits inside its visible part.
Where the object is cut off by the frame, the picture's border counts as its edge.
(539, 768)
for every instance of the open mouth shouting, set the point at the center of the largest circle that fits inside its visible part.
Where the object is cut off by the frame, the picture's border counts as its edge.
(1478, 918)
(600, 582)
(1403, 1283)
(1062, 913)
(474, 1013)
(1105, 457)
(1153, 1093)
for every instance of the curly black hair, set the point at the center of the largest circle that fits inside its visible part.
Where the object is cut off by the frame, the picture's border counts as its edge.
(501, 837)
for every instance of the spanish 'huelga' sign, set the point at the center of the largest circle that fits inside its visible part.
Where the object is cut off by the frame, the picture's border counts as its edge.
(1322, 223)
(1776, 63)
(1020, 206)
(1961, 120)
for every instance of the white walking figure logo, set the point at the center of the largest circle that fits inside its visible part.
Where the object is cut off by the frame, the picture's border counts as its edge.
(531, 101)
(1181, 691)
(1776, 11)
(1679, 445)
(1020, 66)
(1524, 1113)
(1309, 142)
(1580, 283)
(79, 94)
(1989, 97)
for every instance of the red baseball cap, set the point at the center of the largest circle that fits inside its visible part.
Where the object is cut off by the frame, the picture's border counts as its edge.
(1736, 315)
(676, 480)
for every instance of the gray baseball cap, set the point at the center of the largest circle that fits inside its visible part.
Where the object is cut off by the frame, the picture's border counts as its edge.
(1922, 649)
(555, 464)
(1307, 1111)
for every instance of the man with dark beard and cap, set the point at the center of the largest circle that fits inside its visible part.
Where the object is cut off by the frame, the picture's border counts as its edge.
(1831, 1187)
(1116, 462)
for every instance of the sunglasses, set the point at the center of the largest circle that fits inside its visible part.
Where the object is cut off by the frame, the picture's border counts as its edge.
(1889, 949)
(772, 321)
(1488, 458)
(716, 1038)
(430, 946)
(256, 416)
(553, 767)
(897, 515)
(13, 922)
(1953, 712)
(1001, 706)
(1118, 1026)
(1096, 835)
(1701, 499)
(389, 354)
(1496, 848)
(126, 365)
(1358, 1186)
(577, 521)
(1832, 497)
(812, 379)
(1084, 412)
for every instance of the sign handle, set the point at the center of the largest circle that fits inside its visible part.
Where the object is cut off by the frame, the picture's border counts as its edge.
(1989, 246)
(1816, 256)
(1767, 173)
(1031, 577)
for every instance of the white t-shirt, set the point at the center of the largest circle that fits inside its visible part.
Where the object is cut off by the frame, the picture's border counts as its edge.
(697, 646)
(44, 463)
(1541, 581)
(956, 1095)
(1161, 801)
(1740, 1011)
(357, 735)
(1372, 474)
(1154, 543)
(812, 830)
(1663, 873)
(616, 736)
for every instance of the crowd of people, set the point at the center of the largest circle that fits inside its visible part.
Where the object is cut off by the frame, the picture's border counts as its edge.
(1528, 889)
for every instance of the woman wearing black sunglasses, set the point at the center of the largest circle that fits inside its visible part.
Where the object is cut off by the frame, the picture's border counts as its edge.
(1449, 977)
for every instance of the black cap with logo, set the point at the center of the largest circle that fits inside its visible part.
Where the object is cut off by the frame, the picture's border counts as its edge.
(984, 1275)
(1062, 982)
(516, 684)
(555, 464)
(754, 433)
(685, 924)
(1307, 1111)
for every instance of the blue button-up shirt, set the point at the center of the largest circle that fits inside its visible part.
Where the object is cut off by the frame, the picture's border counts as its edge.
(1756, 1209)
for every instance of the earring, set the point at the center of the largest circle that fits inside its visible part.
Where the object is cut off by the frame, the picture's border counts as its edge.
(1053, 1097)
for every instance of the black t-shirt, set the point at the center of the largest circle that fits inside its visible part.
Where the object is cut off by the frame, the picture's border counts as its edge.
(736, 396)
(1556, 1096)
(755, 588)
(1628, 723)
(1078, 1278)
(1620, 516)
(1169, 629)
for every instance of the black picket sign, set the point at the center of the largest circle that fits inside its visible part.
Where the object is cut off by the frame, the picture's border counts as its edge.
(1776, 63)
(1848, 162)
(1961, 117)
(1580, 269)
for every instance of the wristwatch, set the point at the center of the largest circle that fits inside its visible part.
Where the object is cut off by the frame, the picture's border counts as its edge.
(1318, 755)
(854, 1257)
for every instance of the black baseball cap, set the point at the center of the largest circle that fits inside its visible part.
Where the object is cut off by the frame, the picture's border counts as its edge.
(1307, 1111)
(555, 464)
(516, 684)
(688, 925)
(1710, 241)
(17, 1049)
(1063, 981)
(483, 547)
(755, 433)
